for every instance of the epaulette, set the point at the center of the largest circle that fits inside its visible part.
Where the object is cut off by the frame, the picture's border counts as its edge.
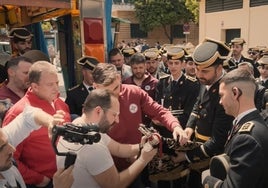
(191, 78)
(246, 127)
(73, 88)
(164, 76)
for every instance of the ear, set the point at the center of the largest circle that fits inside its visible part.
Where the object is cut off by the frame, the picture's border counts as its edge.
(95, 85)
(10, 72)
(236, 92)
(98, 109)
(34, 86)
(119, 77)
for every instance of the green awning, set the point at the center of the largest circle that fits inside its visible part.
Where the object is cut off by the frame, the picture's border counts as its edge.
(122, 20)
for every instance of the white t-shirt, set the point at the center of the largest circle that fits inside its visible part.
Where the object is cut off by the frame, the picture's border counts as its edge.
(91, 160)
(16, 132)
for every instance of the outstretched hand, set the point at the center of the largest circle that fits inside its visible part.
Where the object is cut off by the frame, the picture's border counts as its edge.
(178, 132)
(57, 119)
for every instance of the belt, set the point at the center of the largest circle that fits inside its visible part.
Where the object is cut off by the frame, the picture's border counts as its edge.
(201, 137)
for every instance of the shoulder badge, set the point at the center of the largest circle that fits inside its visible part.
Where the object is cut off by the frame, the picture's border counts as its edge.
(73, 87)
(191, 78)
(246, 127)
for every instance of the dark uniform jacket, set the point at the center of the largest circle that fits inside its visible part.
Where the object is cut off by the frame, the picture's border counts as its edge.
(179, 97)
(76, 97)
(247, 149)
(210, 123)
(263, 83)
(244, 59)
(160, 74)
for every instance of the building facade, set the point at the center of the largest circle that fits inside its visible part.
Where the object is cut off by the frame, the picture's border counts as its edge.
(131, 31)
(226, 19)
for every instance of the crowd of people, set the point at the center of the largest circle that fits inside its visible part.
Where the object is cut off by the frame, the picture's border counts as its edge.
(211, 97)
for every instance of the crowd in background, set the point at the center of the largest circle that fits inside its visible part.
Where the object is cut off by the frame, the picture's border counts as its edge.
(209, 96)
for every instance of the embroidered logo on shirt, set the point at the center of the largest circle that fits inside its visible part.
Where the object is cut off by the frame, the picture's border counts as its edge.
(133, 108)
(147, 87)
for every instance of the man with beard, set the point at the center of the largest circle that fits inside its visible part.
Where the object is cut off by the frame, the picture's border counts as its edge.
(35, 156)
(17, 83)
(208, 122)
(246, 149)
(152, 63)
(190, 66)
(28, 121)
(117, 58)
(133, 103)
(21, 41)
(141, 77)
(94, 166)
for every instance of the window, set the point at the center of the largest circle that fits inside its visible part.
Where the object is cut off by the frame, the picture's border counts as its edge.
(136, 32)
(231, 34)
(254, 3)
(223, 5)
(178, 31)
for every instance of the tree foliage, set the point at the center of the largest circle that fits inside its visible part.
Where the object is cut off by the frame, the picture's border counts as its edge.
(161, 13)
(193, 6)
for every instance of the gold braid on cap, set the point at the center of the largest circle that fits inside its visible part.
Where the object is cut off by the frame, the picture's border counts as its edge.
(129, 51)
(151, 55)
(263, 60)
(22, 37)
(210, 61)
(175, 55)
(89, 63)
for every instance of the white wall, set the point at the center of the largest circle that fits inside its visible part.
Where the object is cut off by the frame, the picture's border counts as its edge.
(253, 23)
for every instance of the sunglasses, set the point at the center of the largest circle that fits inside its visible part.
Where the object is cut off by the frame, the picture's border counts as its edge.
(252, 53)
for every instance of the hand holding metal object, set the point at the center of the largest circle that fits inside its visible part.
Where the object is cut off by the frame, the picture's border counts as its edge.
(162, 167)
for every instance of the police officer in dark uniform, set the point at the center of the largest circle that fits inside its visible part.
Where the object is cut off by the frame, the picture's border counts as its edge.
(255, 54)
(263, 68)
(190, 66)
(127, 53)
(247, 144)
(177, 92)
(237, 57)
(77, 95)
(21, 41)
(208, 122)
